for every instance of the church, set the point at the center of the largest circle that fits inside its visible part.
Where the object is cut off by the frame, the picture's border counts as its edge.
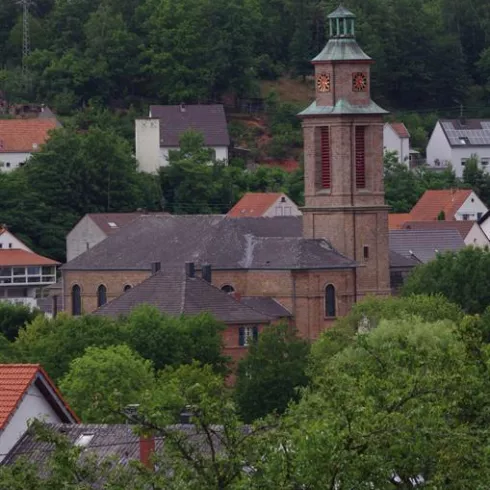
(315, 266)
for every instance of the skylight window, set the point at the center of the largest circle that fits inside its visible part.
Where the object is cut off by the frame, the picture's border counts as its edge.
(84, 440)
(464, 140)
(112, 224)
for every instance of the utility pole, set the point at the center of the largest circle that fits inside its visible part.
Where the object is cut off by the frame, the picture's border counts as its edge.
(26, 41)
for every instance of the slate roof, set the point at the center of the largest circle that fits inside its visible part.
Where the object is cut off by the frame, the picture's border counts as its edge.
(424, 245)
(466, 132)
(397, 220)
(398, 261)
(17, 256)
(267, 305)
(106, 221)
(210, 120)
(462, 227)
(254, 204)
(24, 135)
(173, 292)
(225, 243)
(400, 129)
(433, 202)
(15, 380)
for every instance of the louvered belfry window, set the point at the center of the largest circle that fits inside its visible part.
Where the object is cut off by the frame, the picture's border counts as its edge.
(360, 140)
(325, 158)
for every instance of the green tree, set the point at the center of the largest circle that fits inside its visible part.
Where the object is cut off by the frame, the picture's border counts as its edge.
(269, 377)
(13, 317)
(104, 379)
(462, 277)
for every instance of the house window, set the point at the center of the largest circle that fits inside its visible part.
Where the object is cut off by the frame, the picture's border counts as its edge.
(227, 288)
(463, 161)
(7, 164)
(127, 287)
(360, 134)
(463, 140)
(101, 295)
(10, 245)
(484, 162)
(366, 252)
(247, 335)
(466, 217)
(330, 307)
(326, 171)
(76, 300)
(479, 215)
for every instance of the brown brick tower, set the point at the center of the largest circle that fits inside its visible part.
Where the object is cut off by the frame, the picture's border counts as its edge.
(343, 146)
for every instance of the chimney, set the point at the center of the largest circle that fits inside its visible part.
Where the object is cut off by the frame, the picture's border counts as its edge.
(155, 267)
(190, 269)
(206, 272)
(182, 107)
(236, 295)
(147, 448)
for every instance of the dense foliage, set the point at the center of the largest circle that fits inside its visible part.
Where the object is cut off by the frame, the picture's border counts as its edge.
(430, 54)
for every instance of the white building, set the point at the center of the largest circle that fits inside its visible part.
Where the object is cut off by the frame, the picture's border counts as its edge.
(161, 131)
(20, 138)
(454, 141)
(397, 138)
(27, 393)
(264, 204)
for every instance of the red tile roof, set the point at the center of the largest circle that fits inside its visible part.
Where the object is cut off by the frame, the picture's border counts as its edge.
(254, 204)
(397, 220)
(433, 202)
(400, 129)
(17, 256)
(24, 135)
(15, 380)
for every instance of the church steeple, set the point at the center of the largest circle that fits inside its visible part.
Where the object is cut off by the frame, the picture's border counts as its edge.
(342, 22)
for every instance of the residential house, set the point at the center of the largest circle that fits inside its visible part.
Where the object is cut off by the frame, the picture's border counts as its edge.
(265, 204)
(449, 204)
(177, 291)
(484, 223)
(26, 393)
(161, 132)
(20, 138)
(470, 231)
(454, 141)
(23, 275)
(397, 138)
(93, 228)
(424, 245)
(8, 241)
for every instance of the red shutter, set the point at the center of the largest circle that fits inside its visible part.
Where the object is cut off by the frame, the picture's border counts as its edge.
(325, 158)
(360, 157)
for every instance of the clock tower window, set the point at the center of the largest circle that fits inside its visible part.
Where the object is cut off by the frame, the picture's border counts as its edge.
(325, 161)
(360, 154)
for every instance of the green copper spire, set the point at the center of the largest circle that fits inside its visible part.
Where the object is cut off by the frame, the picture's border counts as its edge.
(342, 22)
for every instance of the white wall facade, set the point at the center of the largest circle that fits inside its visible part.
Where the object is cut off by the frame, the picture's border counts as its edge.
(460, 154)
(393, 142)
(7, 240)
(10, 161)
(33, 405)
(147, 142)
(471, 210)
(221, 153)
(85, 235)
(438, 149)
(476, 237)
(284, 206)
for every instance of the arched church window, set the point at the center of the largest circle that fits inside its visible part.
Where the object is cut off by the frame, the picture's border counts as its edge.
(101, 295)
(330, 307)
(76, 300)
(227, 288)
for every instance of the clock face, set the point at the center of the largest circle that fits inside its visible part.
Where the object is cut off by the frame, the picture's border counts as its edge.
(359, 82)
(323, 82)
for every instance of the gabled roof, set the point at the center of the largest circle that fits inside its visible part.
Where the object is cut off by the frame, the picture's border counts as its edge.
(398, 261)
(16, 379)
(466, 132)
(173, 292)
(462, 227)
(113, 222)
(424, 245)
(17, 256)
(433, 202)
(397, 220)
(24, 135)
(266, 305)
(400, 129)
(210, 120)
(254, 204)
(226, 243)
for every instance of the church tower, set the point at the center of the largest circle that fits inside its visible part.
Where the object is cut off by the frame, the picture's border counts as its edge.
(343, 152)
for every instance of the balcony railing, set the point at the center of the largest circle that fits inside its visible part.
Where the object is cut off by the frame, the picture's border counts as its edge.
(31, 302)
(31, 275)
